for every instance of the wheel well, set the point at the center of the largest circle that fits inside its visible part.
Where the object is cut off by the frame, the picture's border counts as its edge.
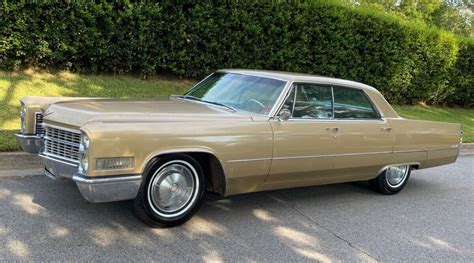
(211, 167)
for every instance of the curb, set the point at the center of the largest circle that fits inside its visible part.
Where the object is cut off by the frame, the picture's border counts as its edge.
(467, 146)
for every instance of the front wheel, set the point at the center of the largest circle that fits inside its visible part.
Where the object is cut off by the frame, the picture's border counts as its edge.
(172, 191)
(392, 180)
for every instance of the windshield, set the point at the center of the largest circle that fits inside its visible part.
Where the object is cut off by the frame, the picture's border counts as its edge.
(243, 92)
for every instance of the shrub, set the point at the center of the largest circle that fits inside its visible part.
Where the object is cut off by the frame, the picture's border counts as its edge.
(406, 61)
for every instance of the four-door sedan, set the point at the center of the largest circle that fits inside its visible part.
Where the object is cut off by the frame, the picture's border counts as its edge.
(236, 131)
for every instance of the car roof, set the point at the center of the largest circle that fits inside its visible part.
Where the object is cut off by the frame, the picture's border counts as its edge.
(299, 77)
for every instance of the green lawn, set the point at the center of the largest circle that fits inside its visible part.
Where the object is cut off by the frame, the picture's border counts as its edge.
(13, 86)
(457, 115)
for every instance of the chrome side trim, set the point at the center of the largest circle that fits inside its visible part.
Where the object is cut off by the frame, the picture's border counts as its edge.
(108, 189)
(249, 160)
(330, 155)
(337, 155)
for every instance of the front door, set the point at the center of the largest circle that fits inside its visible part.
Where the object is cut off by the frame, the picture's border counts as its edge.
(304, 144)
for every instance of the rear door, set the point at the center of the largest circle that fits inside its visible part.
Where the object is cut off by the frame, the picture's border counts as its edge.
(364, 138)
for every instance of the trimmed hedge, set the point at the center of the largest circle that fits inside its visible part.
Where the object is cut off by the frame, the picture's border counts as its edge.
(408, 62)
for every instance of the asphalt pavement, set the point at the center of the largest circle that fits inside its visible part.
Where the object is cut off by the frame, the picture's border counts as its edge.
(432, 219)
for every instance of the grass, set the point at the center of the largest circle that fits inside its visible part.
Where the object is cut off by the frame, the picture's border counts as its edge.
(456, 115)
(16, 85)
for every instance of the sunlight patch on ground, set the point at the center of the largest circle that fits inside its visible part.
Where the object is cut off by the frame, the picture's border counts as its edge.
(18, 248)
(314, 255)
(57, 231)
(165, 233)
(443, 244)
(200, 226)
(211, 254)
(4, 193)
(105, 236)
(3, 230)
(25, 202)
(263, 215)
(294, 236)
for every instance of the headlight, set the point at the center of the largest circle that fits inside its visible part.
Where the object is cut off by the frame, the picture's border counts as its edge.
(83, 147)
(84, 165)
(22, 118)
(85, 142)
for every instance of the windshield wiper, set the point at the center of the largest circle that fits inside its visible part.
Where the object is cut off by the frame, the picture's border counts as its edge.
(206, 101)
(219, 104)
(188, 97)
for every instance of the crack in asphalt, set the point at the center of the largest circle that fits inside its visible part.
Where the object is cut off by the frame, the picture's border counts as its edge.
(292, 205)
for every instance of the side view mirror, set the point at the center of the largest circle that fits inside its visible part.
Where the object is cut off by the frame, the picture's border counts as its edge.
(285, 114)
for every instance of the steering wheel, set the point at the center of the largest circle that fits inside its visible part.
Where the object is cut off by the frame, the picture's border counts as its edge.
(255, 102)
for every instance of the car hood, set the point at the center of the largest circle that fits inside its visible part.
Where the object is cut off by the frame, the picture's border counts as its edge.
(79, 112)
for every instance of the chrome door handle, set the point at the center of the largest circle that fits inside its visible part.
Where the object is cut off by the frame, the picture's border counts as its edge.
(332, 129)
(387, 129)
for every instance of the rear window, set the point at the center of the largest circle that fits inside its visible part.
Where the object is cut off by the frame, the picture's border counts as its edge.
(352, 104)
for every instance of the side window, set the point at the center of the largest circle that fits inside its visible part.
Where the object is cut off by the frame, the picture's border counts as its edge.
(311, 101)
(290, 101)
(352, 104)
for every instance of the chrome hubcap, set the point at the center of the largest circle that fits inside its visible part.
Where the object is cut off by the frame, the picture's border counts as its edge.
(396, 175)
(172, 188)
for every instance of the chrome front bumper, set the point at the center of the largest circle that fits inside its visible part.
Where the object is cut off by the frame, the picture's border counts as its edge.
(108, 189)
(55, 168)
(30, 143)
(94, 190)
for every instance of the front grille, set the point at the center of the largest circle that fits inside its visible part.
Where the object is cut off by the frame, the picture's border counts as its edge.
(62, 144)
(39, 124)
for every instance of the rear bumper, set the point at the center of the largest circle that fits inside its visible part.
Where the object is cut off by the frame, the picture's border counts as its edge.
(95, 190)
(30, 143)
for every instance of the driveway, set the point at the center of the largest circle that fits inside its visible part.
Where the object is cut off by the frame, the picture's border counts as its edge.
(432, 219)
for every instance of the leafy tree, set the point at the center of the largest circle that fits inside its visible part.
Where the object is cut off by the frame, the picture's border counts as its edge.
(452, 15)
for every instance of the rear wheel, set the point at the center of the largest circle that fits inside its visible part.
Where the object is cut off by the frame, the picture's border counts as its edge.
(392, 180)
(172, 191)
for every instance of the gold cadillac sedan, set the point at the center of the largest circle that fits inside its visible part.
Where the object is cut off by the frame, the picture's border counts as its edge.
(236, 131)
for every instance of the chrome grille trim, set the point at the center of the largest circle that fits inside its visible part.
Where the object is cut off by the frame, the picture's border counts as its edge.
(62, 143)
(39, 128)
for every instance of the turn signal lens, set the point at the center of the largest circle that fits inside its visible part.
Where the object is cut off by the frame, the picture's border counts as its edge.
(114, 163)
